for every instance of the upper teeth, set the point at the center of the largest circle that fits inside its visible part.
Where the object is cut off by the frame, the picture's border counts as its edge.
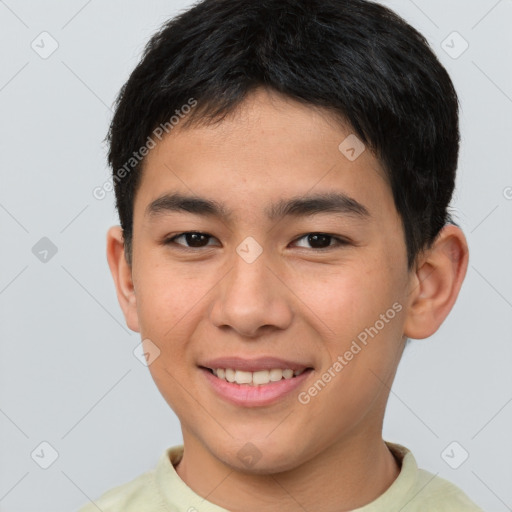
(255, 378)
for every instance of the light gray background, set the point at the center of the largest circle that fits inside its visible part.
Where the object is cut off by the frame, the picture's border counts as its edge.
(68, 375)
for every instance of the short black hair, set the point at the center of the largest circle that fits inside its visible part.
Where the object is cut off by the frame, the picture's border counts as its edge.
(357, 59)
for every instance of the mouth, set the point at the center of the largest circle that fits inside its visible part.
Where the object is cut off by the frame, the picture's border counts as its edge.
(256, 378)
(252, 383)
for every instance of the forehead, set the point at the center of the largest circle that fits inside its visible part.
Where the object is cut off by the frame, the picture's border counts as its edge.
(269, 149)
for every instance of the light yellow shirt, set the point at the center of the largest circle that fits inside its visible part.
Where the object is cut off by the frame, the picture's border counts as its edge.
(162, 490)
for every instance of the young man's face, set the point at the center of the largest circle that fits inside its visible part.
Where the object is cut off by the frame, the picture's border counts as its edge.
(258, 287)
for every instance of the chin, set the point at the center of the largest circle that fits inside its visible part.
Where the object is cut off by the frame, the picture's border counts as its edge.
(266, 465)
(258, 456)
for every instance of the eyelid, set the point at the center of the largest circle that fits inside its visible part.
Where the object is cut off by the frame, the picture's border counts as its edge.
(339, 241)
(168, 240)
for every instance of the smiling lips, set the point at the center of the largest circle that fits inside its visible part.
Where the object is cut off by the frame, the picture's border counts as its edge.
(252, 382)
(255, 378)
(255, 372)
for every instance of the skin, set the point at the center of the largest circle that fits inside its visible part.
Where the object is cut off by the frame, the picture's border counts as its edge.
(294, 301)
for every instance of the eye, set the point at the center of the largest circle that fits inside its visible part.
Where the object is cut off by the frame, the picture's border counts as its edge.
(193, 239)
(321, 241)
(196, 240)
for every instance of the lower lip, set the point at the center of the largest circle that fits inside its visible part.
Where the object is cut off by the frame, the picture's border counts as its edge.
(254, 396)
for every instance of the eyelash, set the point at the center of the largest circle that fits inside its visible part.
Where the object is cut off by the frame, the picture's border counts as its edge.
(339, 242)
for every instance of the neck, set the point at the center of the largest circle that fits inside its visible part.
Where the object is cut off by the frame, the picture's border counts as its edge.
(349, 475)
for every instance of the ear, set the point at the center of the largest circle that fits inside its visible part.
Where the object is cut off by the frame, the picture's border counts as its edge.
(122, 274)
(436, 282)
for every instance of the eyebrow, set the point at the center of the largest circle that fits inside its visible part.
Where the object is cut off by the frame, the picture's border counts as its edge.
(331, 202)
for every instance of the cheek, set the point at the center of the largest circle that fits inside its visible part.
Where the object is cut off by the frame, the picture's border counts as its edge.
(361, 357)
(167, 300)
(346, 299)
(361, 321)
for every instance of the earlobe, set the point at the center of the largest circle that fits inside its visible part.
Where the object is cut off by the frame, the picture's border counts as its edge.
(436, 283)
(122, 274)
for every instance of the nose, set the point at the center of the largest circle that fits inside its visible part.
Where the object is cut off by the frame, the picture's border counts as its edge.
(252, 299)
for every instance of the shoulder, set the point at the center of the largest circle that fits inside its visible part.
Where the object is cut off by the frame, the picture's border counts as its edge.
(127, 497)
(440, 495)
(418, 490)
